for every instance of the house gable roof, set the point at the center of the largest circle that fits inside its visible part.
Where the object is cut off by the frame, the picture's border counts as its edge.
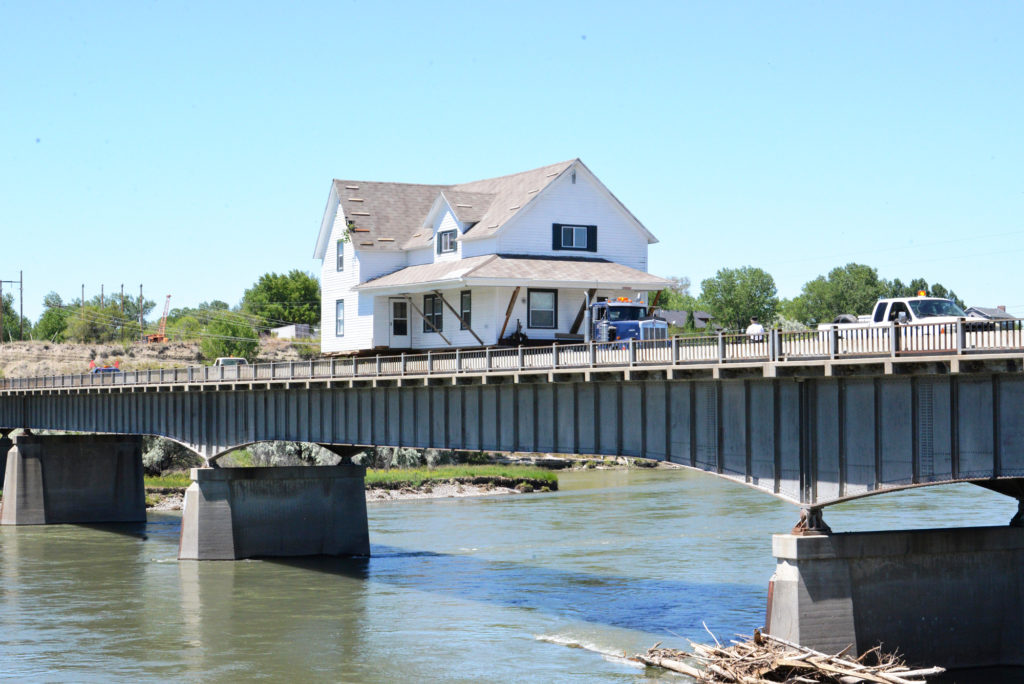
(391, 216)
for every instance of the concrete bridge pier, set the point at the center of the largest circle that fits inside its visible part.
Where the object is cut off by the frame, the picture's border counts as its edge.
(949, 597)
(5, 445)
(73, 479)
(234, 513)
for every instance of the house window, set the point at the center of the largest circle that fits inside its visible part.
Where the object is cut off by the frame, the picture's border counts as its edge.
(432, 313)
(573, 237)
(339, 318)
(446, 241)
(542, 309)
(466, 309)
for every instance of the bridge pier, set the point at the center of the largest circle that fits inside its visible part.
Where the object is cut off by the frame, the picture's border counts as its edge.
(949, 597)
(234, 513)
(5, 445)
(73, 479)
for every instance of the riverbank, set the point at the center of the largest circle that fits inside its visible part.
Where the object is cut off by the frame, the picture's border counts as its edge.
(171, 498)
(36, 358)
(166, 492)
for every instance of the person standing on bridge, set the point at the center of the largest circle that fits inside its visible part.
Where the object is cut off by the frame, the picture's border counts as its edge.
(755, 330)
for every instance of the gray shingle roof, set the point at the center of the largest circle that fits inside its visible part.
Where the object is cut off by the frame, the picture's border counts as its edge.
(396, 211)
(385, 210)
(500, 269)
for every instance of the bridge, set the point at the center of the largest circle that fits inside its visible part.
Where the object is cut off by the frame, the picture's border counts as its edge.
(814, 418)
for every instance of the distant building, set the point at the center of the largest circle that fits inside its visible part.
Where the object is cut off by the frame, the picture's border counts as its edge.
(676, 318)
(702, 320)
(296, 331)
(993, 314)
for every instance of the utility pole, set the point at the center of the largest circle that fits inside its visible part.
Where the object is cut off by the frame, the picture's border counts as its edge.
(21, 304)
(101, 296)
(122, 313)
(21, 324)
(140, 311)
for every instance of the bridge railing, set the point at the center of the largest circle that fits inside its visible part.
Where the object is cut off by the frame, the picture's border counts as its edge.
(887, 339)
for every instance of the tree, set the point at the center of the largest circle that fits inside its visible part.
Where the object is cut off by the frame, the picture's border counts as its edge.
(676, 297)
(11, 328)
(735, 295)
(230, 336)
(896, 288)
(851, 289)
(283, 299)
(185, 327)
(54, 320)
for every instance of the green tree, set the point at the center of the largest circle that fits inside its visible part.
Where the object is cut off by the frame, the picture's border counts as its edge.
(230, 336)
(896, 288)
(851, 289)
(11, 328)
(185, 327)
(54, 320)
(735, 295)
(677, 297)
(282, 299)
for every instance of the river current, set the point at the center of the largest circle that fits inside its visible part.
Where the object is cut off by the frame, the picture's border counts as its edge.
(532, 588)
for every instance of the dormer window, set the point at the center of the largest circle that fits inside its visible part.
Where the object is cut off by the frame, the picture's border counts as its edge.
(446, 241)
(565, 236)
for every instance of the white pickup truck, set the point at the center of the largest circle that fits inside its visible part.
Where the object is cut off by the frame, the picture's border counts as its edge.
(904, 311)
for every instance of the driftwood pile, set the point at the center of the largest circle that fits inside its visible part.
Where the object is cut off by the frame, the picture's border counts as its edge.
(765, 659)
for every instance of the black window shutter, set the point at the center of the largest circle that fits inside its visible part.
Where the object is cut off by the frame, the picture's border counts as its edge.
(591, 238)
(437, 240)
(556, 236)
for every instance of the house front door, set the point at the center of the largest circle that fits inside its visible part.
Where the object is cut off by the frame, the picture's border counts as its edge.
(399, 311)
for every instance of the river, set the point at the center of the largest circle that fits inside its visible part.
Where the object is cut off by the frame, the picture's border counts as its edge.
(532, 588)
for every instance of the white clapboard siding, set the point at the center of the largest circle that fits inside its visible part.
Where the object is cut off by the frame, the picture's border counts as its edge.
(583, 203)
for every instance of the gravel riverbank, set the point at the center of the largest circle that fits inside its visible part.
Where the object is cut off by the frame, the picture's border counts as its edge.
(171, 500)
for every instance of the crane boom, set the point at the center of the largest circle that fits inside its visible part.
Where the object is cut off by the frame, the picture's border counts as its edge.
(159, 335)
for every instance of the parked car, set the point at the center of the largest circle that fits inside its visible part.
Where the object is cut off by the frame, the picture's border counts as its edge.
(230, 361)
(105, 369)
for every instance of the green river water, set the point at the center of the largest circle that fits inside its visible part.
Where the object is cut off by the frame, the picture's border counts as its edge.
(531, 588)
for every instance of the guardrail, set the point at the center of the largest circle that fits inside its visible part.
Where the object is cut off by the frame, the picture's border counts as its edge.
(888, 340)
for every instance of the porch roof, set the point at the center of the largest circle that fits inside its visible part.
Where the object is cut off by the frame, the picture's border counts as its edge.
(500, 270)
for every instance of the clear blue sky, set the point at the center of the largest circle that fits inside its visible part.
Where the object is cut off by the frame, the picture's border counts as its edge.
(190, 146)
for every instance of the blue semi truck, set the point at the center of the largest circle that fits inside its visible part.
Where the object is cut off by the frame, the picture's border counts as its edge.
(623, 319)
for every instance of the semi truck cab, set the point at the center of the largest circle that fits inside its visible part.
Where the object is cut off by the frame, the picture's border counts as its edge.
(624, 319)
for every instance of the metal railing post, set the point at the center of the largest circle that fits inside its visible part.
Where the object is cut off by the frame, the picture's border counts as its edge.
(190, 374)
(593, 354)
(487, 359)
(961, 337)
(401, 367)
(833, 342)
(430, 362)
(458, 360)
(721, 347)
(554, 356)
(894, 341)
(378, 365)
(632, 351)
(520, 357)
(675, 349)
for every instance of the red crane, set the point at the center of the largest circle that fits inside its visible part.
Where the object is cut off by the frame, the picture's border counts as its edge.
(159, 335)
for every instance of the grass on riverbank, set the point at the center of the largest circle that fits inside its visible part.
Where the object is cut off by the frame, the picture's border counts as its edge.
(412, 477)
(168, 481)
(415, 477)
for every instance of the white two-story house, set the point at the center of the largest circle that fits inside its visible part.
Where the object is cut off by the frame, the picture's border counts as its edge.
(409, 266)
